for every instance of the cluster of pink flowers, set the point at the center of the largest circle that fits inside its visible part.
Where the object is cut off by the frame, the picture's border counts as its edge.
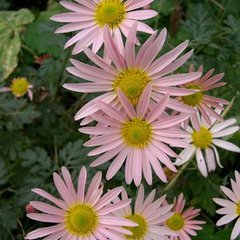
(144, 111)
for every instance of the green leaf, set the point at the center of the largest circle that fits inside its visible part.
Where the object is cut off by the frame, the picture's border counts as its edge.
(11, 25)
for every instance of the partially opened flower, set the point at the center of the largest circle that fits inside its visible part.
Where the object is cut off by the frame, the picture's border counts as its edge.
(230, 208)
(204, 103)
(149, 214)
(89, 18)
(131, 73)
(140, 137)
(183, 221)
(204, 141)
(82, 213)
(19, 87)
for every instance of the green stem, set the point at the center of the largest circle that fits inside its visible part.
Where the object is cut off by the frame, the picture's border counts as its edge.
(60, 78)
(174, 180)
(29, 50)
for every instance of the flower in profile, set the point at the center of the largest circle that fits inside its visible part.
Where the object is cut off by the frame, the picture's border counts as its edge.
(19, 87)
(230, 208)
(183, 220)
(204, 103)
(140, 137)
(203, 143)
(149, 214)
(80, 215)
(89, 18)
(131, 73)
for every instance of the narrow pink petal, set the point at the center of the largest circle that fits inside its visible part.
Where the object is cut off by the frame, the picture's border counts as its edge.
(51, 198)
(144, 48)
(141, 14)
(46, 208)
(100, 62)
(93, 186)
(112, 50)
(111, 112)
(41, 217)
(86, 41)
(132, 5)
(63, 190)
(115, 207)
(201, 163)
(143, 103)
(87, 3)
(107, 156)
(130, 46)
(71, 17)
(137, 170)
(210, 160)
(153, 50)
(117, 164)
(42, 232)
(108, 197)
(68, 180)
(139, 199)
(147, 170)
(176, 79)
(230, 194)
(226, 145)
(128, 107)
(158, 109)
(236, 230)
(76, 26)
(176, 64)
(156, 165)
(128, 168)
(91, 107)
(162, 62)
(118, 40)
(105, 148)
(76, 7)
(226, 219)
(81, 184)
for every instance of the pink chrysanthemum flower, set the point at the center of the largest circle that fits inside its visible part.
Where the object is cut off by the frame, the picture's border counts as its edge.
(89, 18)
(137, 136)
(131, 73)
(230, 208)
(78, 215)
(204, 103)
(203, 143)
(183, 221)
(19, 87)
(150, 216)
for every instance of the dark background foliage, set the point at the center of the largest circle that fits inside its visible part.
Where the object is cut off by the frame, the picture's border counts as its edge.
(37, 138)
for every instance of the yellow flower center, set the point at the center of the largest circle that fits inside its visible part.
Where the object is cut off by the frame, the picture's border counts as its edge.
(136, 133)
(19, 86)
(202, 138)
(176, 222)
(140, 231)
(193, 99)
(110, 12)
(238, 209)
(132, 82)
(81, 220)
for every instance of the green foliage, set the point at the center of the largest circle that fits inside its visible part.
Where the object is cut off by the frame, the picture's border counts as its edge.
(11, 26)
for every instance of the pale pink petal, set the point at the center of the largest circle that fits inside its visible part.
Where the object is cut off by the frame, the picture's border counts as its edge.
(226, 145)
(236, 230)
(201, 163)
(41, 232)
(141, 14)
